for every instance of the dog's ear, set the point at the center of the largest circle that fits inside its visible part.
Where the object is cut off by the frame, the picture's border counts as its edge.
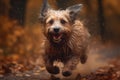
(43, 12)
(74, 10)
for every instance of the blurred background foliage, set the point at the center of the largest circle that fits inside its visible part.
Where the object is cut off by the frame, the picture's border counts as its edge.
(20, 30)
(21, 39)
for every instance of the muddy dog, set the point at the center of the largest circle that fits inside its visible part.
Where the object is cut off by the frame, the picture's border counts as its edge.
(66, 38)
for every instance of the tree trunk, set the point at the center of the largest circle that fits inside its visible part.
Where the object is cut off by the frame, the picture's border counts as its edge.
(101, 19)
(17, 10)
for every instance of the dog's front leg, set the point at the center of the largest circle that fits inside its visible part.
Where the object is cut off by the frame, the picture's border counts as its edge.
(70, 65)
(50, 68)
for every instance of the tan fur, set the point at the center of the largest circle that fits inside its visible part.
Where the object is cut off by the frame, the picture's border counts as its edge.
(72, 40)
(77, 42)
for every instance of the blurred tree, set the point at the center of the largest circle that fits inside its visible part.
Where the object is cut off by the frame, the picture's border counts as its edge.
(4, 7)
(62, 3)
(17, 10)
(101, 18)
(66, 3)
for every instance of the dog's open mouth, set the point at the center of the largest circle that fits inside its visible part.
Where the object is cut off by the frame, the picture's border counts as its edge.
(57, 37)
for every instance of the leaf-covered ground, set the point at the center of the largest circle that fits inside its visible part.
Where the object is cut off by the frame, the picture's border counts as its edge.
(11, 70)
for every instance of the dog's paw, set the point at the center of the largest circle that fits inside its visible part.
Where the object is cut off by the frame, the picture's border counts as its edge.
(66, 73)
(53, 70)
(54, 78)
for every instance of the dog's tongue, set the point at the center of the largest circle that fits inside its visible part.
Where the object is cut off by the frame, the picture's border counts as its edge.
(57, 36)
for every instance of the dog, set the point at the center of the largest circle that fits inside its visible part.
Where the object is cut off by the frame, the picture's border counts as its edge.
(66, 38)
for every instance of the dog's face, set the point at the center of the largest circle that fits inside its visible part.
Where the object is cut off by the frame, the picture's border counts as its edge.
(58, 23)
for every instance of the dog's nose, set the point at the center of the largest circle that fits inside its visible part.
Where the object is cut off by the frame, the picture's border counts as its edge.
(56, 30)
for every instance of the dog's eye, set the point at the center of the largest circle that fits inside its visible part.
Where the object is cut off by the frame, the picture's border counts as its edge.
(51, 21)
(63, 21)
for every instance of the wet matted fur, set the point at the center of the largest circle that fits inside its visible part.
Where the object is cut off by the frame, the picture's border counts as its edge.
(66, 38)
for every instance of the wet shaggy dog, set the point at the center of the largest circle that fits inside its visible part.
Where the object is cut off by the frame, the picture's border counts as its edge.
(66, 38)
